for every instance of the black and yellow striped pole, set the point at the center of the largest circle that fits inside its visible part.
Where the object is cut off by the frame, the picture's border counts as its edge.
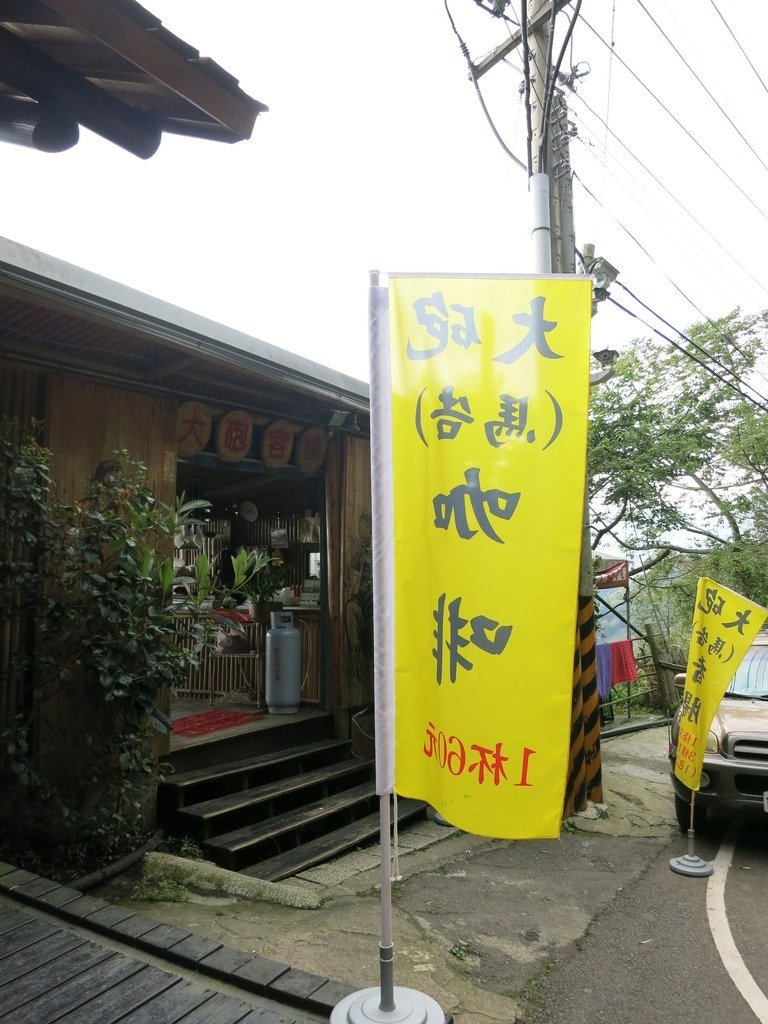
(590, 699)
(585, 780)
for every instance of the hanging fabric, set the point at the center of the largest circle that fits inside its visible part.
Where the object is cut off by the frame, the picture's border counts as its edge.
(604, 670)
(623, 665)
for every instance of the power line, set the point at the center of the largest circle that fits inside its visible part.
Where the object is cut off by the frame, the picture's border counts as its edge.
(527, 81)
(638, 243)
(609, 131)
(550, 91)
(617, 179)
(671, 195)
(677, 121)
(473, 78)
(733, 37)
(497, 10)
(650, 257)
(691, 341)
(725, 114)
(549, 78)
(688, 355)
(610, 83)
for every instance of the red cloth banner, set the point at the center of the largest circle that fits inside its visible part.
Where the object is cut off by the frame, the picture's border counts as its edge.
(614, 575)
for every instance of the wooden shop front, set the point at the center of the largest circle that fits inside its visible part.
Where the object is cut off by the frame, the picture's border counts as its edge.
(277, 445)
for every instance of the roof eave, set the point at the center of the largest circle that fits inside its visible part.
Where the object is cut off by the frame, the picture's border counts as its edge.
(28, 273)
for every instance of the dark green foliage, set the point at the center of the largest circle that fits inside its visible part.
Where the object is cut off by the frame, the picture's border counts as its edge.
(678, 463)
(87, 604)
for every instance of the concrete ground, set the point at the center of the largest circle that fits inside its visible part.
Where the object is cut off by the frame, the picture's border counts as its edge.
(475, 921)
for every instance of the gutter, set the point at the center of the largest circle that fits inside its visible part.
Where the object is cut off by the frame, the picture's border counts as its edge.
(624, 730)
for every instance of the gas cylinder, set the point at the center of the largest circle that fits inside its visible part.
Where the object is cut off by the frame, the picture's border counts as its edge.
(283, 669)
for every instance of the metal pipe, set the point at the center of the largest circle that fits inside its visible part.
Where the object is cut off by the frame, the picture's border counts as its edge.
(538, 186)
(386, 946)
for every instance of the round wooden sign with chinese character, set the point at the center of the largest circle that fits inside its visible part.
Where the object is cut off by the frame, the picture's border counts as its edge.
(311, 447)
(234, 434)
(277, 444)
(193, 428)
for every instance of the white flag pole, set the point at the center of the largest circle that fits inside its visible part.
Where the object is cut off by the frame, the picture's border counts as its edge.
(386, 1003)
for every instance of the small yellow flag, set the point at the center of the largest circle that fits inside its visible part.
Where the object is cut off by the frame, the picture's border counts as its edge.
(724, 626)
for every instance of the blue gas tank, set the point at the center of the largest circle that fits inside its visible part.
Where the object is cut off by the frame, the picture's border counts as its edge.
(283, 669)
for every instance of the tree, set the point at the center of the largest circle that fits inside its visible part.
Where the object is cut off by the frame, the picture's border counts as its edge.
(678, 457)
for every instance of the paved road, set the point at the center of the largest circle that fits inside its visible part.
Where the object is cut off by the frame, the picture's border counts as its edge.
(651, 958)
(590, 927)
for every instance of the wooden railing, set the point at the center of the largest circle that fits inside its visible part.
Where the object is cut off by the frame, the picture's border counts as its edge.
(243, 678)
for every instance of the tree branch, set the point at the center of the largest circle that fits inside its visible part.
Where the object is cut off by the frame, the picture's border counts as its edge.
(720, 505)
(664, 553)
(609, 527)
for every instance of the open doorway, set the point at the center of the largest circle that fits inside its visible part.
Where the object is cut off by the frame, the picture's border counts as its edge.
(279, 513)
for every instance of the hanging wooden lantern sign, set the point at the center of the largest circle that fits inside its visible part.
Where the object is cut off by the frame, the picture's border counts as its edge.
(311, 447)
(234, 435)
(193, 428)
(277, 444)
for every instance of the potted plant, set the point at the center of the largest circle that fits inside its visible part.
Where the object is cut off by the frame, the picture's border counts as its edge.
(257, 575)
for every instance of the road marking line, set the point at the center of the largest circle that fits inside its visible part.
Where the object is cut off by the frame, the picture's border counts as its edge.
(721, 932)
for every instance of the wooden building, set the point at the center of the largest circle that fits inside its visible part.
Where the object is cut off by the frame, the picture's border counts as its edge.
(277, 444)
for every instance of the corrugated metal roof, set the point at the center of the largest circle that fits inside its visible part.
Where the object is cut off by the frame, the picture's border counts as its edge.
(56, 315)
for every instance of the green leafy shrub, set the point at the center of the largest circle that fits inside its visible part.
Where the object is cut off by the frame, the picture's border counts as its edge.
(87, 602)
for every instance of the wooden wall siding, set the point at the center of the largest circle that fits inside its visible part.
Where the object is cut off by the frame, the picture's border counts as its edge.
(357, 595)
(21, 400)
(88, 422)
(21, 394)
(333, 491)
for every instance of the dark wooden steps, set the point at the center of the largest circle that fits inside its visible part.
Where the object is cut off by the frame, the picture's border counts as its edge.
(240, 848)
(331, 845)
(259, 802)
(278, 811)
(179, 790)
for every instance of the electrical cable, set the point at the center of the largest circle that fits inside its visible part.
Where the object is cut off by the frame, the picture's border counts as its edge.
(705, 352)
(671, 195)
(609, 131)
(730, 30)
(496, 13)
(553, 83)
(549, 78)
(717, 103)
(679, 124)
(689, 355)
(527, 81)
(643, 249)
(610, 83)
(618, 180)
(473, 78)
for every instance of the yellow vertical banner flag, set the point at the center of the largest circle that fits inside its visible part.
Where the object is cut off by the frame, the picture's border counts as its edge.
(724, 626)
(489, 385)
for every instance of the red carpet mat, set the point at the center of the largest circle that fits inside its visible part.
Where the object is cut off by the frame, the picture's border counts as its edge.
(212, 721)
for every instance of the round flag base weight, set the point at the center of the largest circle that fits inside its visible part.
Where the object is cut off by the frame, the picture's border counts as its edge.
(411, 1007)
(691, 864)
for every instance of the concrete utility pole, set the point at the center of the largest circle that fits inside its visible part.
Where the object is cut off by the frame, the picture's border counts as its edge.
(585, 762)
(555, 252)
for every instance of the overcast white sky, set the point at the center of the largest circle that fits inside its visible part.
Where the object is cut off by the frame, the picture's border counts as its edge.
(375, 154)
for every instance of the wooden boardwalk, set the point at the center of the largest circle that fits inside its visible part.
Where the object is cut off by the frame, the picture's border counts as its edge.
(71, 958)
